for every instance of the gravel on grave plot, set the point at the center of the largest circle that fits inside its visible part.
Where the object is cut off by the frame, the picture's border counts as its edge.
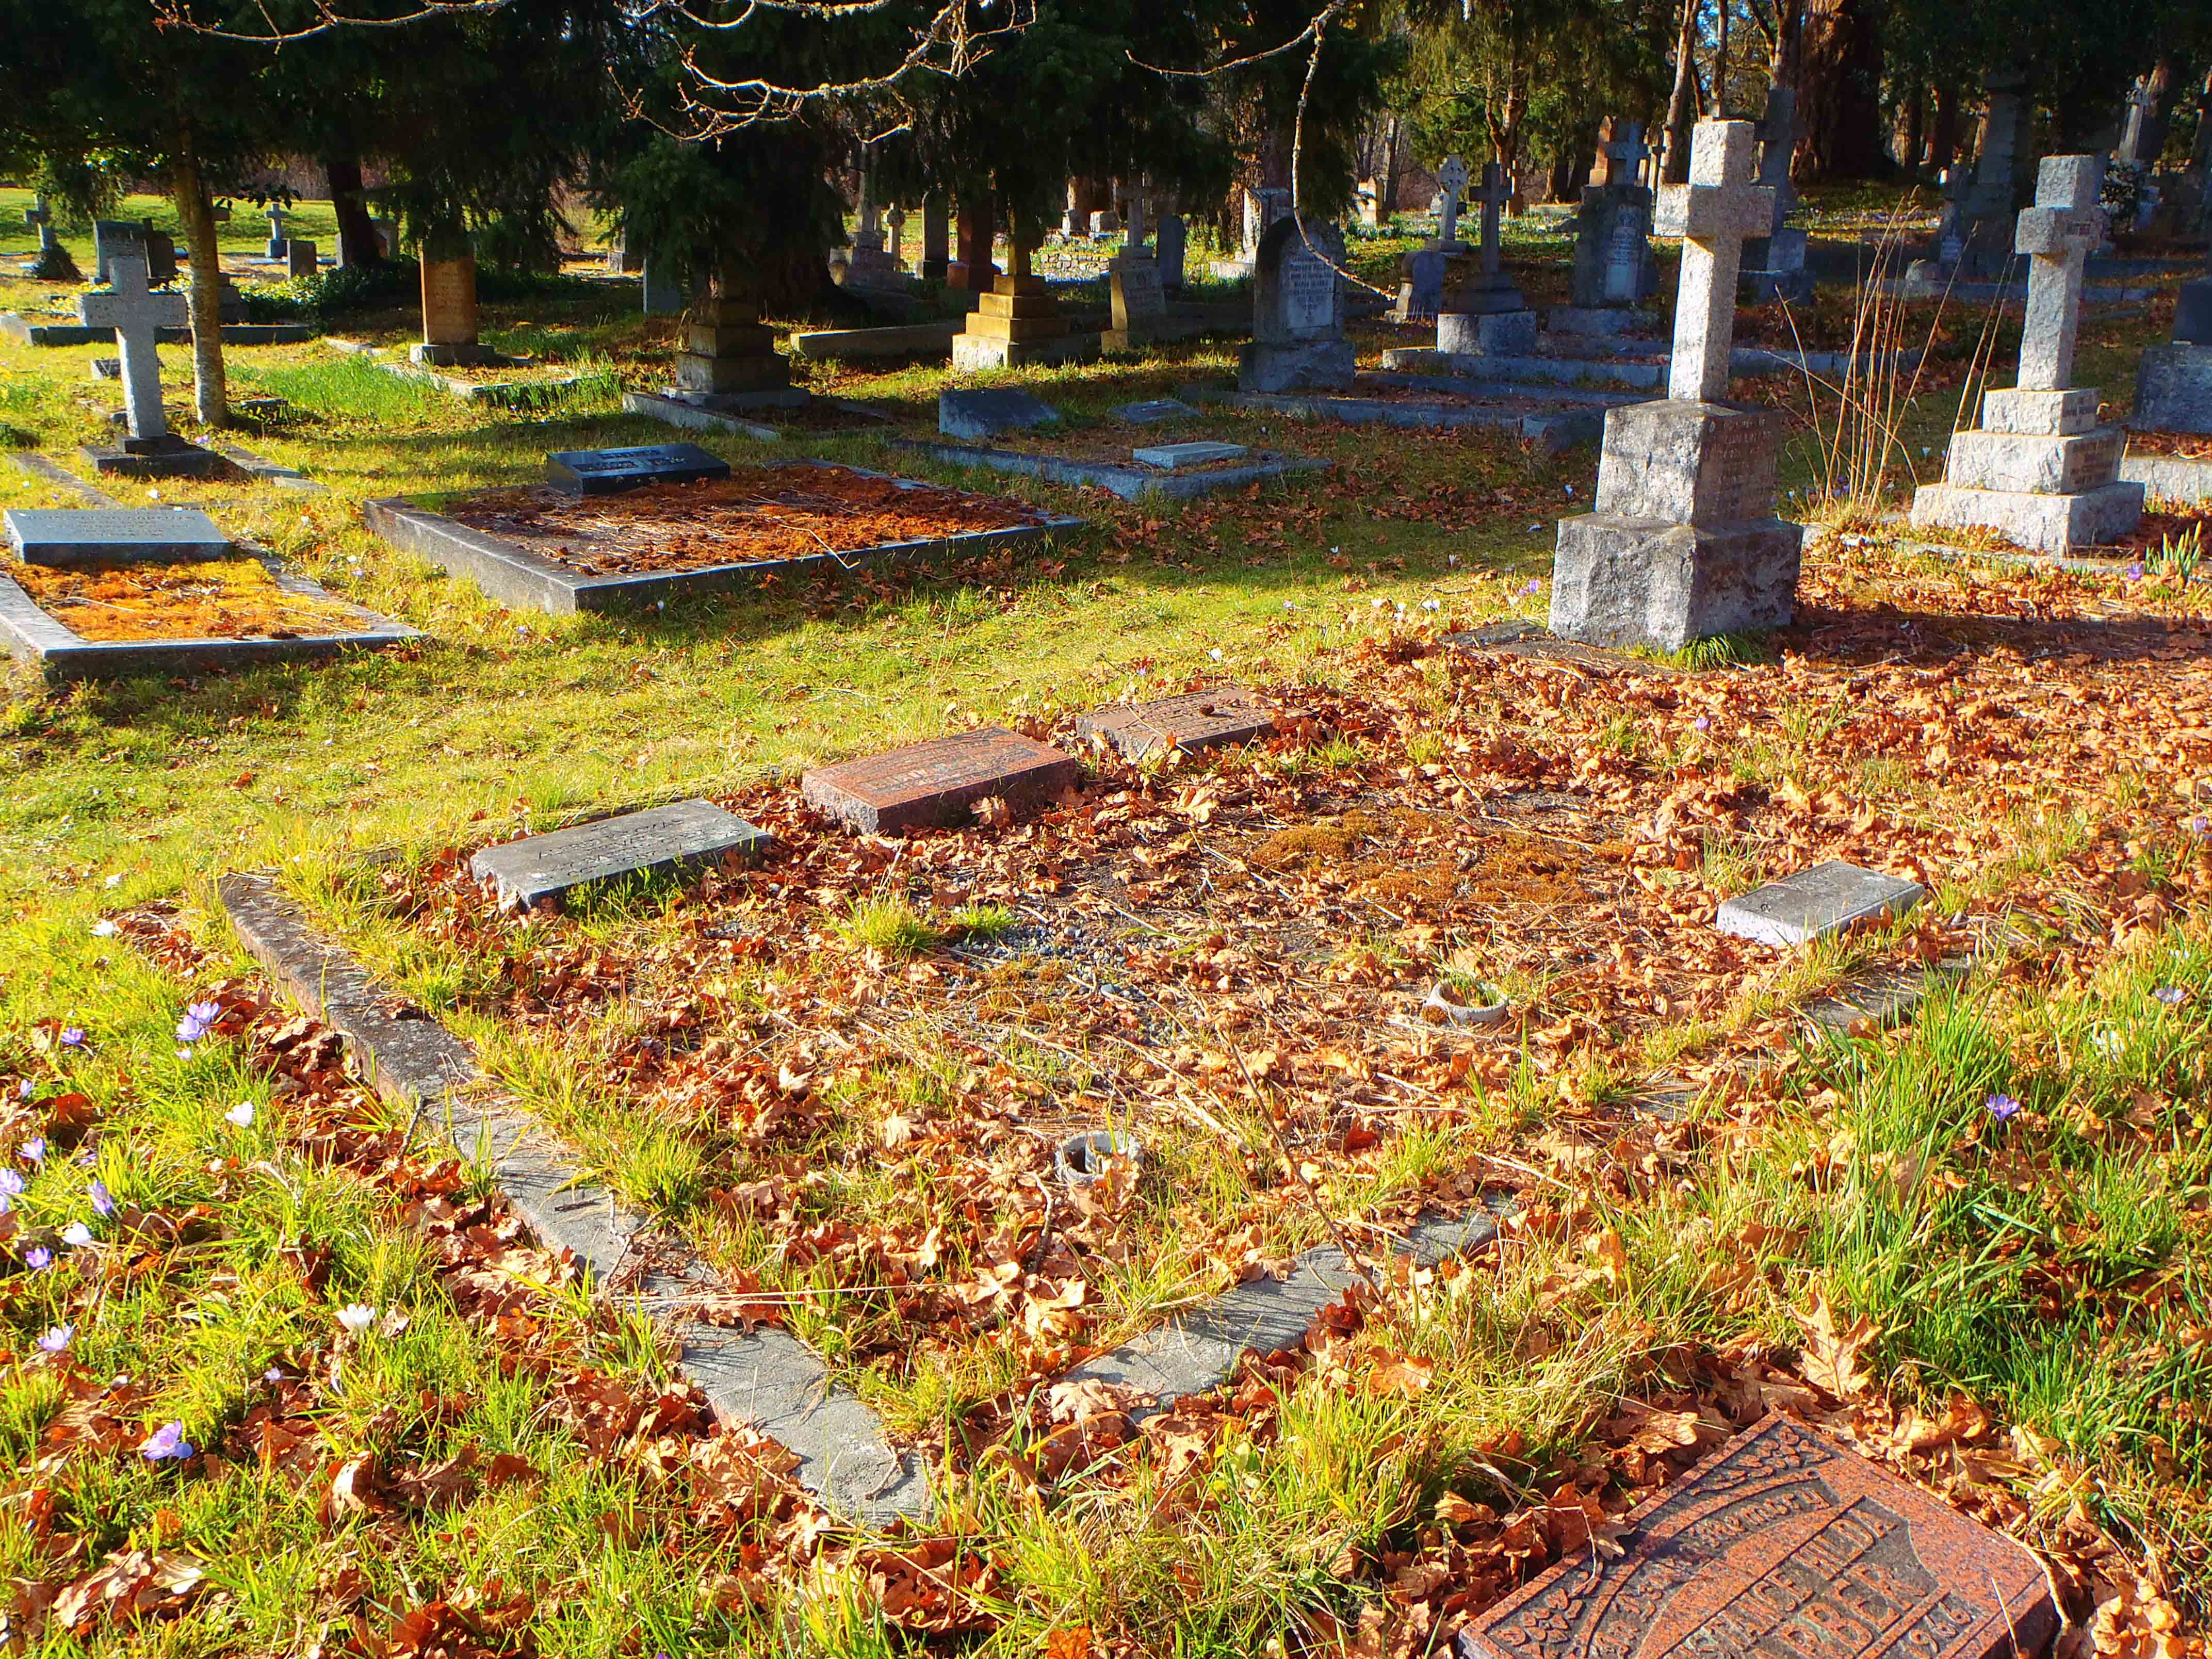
(233, 598)
(756, 515)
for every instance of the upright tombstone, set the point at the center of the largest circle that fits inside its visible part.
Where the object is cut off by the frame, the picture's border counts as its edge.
(1140, 304)
(2040, 470)
(449, 312)
(1425, 273)
(1613, 232)
(156, 249)
(387, 235)
(662, 296)
(2173, 386)
(728, 355)
(1986, 222)
(972, 268)
(53, 263)
(869, 261)
(1684, 543)
(1173, 244)
(622, 260)
(299, 258)
(1370, 205)
(1451, 183)
(1297, 307)
(1774, 264)
(936, 242)
(277, 237)
(895, 223)
(1482, 313)
(137, 314)
(1016, 322)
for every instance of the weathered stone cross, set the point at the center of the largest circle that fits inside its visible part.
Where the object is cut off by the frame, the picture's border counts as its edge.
(1451, 180)
(1629, 151)
(1713, 213)
(2058, 233)
(41, 216)
(134, 312)
(1496, 193)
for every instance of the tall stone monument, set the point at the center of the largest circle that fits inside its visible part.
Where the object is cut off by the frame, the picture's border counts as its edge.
(1985, 222)
(1424, 273)
(972, 269)
(449, 311)
(936, 242)
(2040, 470)
(730, 360)
(1018, 322)
(1481, 312)
(1774, 264)
(1173, 247)
(277, 238)
(137, 314)
(2173, 386)
(1683, 544)
(1612, 231)
(1297, 307)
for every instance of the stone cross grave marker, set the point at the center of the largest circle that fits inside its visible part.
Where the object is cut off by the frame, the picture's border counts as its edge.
(1713, 213)
(1497, 190)
(1627, 153)
(136, 312)
(2058, 233)
(276, 249)
(40, 214)
(604, 471)
(1783, 1544)
(938, 783)
(684, 835)
(1451, 180)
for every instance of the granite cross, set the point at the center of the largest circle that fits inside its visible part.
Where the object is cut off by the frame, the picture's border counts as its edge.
(1712, 214)
(134, 311)
(2057, 234)
(1628, 153)
(1496, 193)
(1451, 179)
(42, 217)
(896, 219)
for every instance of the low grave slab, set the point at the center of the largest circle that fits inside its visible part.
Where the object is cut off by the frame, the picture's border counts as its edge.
(936, 783)
(1154, 411)
(687, 834)
(1816, 902)
(801, 409)
(545, 550)
(166, 457)
(76, 535)
(1783, 1544)
(972, 412)
(1190, 722)
(30, 332)
(1198, 452)
(1132, 481)
(604, 471)
(1553, 421)
(313, 623)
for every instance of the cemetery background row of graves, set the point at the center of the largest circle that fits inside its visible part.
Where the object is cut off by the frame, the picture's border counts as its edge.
(1058, 955)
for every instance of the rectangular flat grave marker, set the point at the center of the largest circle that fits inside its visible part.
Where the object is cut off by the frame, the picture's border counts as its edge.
(684, 835)
(937, 781)
(69, 536)
(1198, 452)
(1816, 902)
(602, 471)
(1782, 1548)
(1196, 720)
(1153, 410)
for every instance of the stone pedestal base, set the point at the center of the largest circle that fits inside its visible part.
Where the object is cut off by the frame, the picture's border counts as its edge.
(727, 350)
(982, 351)
(2046, 523)
(167, 456)
(1597, 320)
(1621, 582)
(1500, 334)
(2173, 388)
(457, 355)
(714, 376)
(1317, 365)
(738, 403)
(2038, 463)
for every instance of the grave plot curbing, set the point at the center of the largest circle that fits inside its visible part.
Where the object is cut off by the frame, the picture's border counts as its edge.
(515, 576)
(2171, 477)
(675, 411)
(504, 394)
(684, 835)
(1553, 425)
(24, 331)
(764, 1376)
(49, 471)
(1133, 482)
(31, 634)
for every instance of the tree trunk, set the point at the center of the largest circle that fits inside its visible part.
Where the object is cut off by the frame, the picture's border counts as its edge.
(1912, 128)
(1839, 90)
(196, 210)
(1720, 62)
(357, 240)
(1943, 132)
(1681, 106)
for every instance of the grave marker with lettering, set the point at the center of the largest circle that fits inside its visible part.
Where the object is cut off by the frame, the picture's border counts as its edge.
(1613, 239)
(1297, 298)
(1140, 304)
(685, 835)
(604, 471)
(299, 259)
(938, 783)
(1190, 722)
(80, 536)
(2173, 385)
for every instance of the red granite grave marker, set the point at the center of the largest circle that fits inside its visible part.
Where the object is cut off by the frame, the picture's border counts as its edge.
(939, 781)
(1784, 1547)
(1193, 722)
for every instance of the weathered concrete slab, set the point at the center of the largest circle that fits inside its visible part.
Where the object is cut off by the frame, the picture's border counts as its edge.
(687, 835)
(986, 411)
(1131, 482)
(1193, 721)
(1816, 902)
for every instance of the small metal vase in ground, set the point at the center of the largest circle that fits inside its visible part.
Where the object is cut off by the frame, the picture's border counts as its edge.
(1081, 1159)
(1489, 1007)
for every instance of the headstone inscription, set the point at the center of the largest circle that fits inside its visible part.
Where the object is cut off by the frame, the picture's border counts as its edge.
(604, 471)
(1190, 722)
(1683, 544)
(1298, 325)
(1612, 227)
(1783, 1545)
(137, 314)
(449, 313)
(1482, 313)
(939, 783)
(2040, 470)
(687, 835)
(2173, 385)
(299, 258)
(80, 536)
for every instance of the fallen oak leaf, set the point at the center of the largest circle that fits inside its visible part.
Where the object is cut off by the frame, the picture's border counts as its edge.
(1830, 1361)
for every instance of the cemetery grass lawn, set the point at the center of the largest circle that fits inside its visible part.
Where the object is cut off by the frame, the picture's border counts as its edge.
(2008, 1304)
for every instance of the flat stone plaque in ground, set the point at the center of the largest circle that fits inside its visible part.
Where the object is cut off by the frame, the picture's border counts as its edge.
(1784, 1546)
(971, 412)
(681, 836)
(1198, 452)
(1153, 410)
(1816, 902)
(71, 536)
(1196, 720)
(602, 471)
(937, 781)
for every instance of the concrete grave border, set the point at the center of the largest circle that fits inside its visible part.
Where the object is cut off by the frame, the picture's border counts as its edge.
(764, 1376)
(514, 575)
(1133, 482)
(2171, 478)
(24, 331)
(674, 412)
(1550, 430)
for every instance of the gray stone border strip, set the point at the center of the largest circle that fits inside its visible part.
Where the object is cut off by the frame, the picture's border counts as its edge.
(1131, 482)
(674, 412)
(269, 472)
(2174, 477)
(502, 394)
(1551, 430)
(764, 1376)
(33, 634)
(24, 331)
(53, 472)
(1821, 538)
(514, 575)
(1641, 374)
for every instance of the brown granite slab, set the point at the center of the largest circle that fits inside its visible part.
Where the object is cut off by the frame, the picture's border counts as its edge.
(936, 782)
(1193, 722)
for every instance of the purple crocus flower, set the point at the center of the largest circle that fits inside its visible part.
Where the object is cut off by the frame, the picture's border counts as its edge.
(167, 1442)
(11, 1183)
(103, 1201)
(1703, 723)
(39, 1258)
(2136, 572)
(1535, 583)
(2002, 1107)
(57, 1339)
(26, 1089)
(199, 1017)
(73, 1037)
(2171, 995)
(35, 1149)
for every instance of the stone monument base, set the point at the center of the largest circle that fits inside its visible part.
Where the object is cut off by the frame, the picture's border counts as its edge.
(737, 402)
(1315, 366)
(2039, 472)
(1018, 322)
(981, 351)
(2174, 389)
(458, 354)
(166, 457)
(1622, 582)
(1494, 334)
(2046, 523)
